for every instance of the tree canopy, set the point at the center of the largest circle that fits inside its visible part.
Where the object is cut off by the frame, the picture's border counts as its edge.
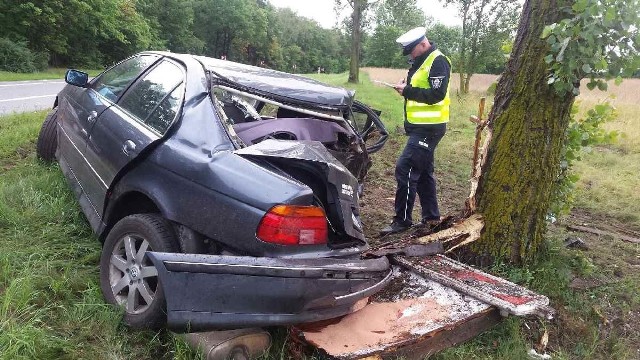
(94, 33)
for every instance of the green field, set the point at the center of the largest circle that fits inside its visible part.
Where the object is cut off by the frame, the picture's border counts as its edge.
(51, 306)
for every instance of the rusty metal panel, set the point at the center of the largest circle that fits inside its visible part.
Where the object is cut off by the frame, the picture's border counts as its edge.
(506, 296)
(414, 316)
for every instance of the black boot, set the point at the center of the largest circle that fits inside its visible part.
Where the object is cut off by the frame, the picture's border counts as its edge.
(395, 227)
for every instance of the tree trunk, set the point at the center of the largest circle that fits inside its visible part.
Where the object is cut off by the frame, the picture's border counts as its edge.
(528, 120)
(467, 80)
(463, 46)
(473, 49)
(354, 68)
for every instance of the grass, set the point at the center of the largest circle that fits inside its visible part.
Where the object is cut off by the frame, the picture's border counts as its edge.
(51, 73)
(51, 306)
(50, 301)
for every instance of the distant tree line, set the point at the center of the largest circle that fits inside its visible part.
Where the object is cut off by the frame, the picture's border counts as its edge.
(35, 34)
(95, 33)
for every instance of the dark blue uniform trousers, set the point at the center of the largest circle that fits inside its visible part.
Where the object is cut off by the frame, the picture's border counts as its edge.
(414, 174)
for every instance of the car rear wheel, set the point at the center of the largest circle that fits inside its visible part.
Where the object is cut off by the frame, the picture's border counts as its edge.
(47, 138)
(127, 276)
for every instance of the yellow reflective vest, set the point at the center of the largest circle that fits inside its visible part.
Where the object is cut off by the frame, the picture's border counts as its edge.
(421, 113)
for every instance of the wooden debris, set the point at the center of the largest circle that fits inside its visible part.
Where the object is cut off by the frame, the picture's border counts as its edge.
(597, 231)
(542, 344)
(479, 157)
(431, 318)
(466, 231)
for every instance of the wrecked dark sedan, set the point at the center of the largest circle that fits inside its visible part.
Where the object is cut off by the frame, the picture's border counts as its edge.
(225, 195)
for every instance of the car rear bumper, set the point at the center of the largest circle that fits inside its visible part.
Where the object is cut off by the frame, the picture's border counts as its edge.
(207, 292)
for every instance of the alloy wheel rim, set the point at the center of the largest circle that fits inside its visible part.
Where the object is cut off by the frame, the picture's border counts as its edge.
(132, 277)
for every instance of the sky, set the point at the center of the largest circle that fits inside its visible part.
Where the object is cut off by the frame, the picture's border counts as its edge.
(322, 10)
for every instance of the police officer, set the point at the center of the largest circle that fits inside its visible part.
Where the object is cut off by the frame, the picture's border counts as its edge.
(426, 113)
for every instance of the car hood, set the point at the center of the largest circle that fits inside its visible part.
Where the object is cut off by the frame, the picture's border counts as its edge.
(279, 85)
(341, 185)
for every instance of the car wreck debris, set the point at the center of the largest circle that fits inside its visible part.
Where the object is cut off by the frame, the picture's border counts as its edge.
(199, 174)
(423, 318)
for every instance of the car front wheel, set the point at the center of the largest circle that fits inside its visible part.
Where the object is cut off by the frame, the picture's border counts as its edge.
(127, 276)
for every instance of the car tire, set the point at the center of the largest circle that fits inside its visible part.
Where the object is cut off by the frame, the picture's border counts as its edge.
(47, 138)
(127, 276)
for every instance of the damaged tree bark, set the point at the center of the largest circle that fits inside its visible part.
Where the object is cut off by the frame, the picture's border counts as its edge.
(528, 121)
(468, 229)
(479, 157)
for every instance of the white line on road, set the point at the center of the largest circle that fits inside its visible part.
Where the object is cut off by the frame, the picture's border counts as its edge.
(32, 83)
(28, 97)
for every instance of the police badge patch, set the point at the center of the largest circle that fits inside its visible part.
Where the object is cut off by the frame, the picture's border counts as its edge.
(436, 82)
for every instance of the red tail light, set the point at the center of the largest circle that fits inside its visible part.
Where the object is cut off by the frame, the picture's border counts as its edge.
(293, 225)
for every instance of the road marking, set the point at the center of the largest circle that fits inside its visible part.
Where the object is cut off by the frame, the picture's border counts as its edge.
(28, 97)
(33, 83)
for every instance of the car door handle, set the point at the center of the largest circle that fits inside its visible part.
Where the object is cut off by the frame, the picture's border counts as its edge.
(128, 146)
(92, 117)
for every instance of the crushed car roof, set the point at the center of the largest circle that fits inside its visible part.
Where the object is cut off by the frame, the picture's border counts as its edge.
(280, 84)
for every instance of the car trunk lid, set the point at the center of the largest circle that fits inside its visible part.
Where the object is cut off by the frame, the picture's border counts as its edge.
(311, 163)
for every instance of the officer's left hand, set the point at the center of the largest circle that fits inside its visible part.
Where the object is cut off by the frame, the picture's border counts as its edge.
(400, 86)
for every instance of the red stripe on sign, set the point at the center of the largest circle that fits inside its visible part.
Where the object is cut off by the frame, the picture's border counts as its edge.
(471, 275)
(516, 300)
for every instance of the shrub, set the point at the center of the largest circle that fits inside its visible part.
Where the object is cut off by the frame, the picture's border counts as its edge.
(580, 137)
(16, 57)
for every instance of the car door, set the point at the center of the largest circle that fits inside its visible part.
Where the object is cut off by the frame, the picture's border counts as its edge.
(369, 126)
(141, 116)
(80, 108)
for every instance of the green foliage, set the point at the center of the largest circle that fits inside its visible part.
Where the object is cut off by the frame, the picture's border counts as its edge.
(402, 14)
(77, 32)
(381, 49)
(392, 19)
(581, 136)
(16, 57)
(447, 38)
(486, 26)
(95, 33)
(171, 23)
(302, 46)
(597, 40)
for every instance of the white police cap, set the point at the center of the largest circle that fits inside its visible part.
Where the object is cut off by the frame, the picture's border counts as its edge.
(411, 38)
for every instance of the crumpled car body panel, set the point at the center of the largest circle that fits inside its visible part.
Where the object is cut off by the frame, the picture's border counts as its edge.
(215, 175)
(239, 291)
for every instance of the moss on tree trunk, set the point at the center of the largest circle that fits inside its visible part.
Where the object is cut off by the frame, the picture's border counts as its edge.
(528, 120)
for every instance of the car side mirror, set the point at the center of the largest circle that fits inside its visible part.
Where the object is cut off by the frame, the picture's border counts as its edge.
(76, 78)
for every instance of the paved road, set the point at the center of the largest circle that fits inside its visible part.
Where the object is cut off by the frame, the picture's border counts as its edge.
(21, 96)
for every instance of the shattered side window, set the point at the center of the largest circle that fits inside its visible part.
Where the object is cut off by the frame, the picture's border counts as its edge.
(359, 120)
(236, 108)
(221, 100)
(269, 110)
